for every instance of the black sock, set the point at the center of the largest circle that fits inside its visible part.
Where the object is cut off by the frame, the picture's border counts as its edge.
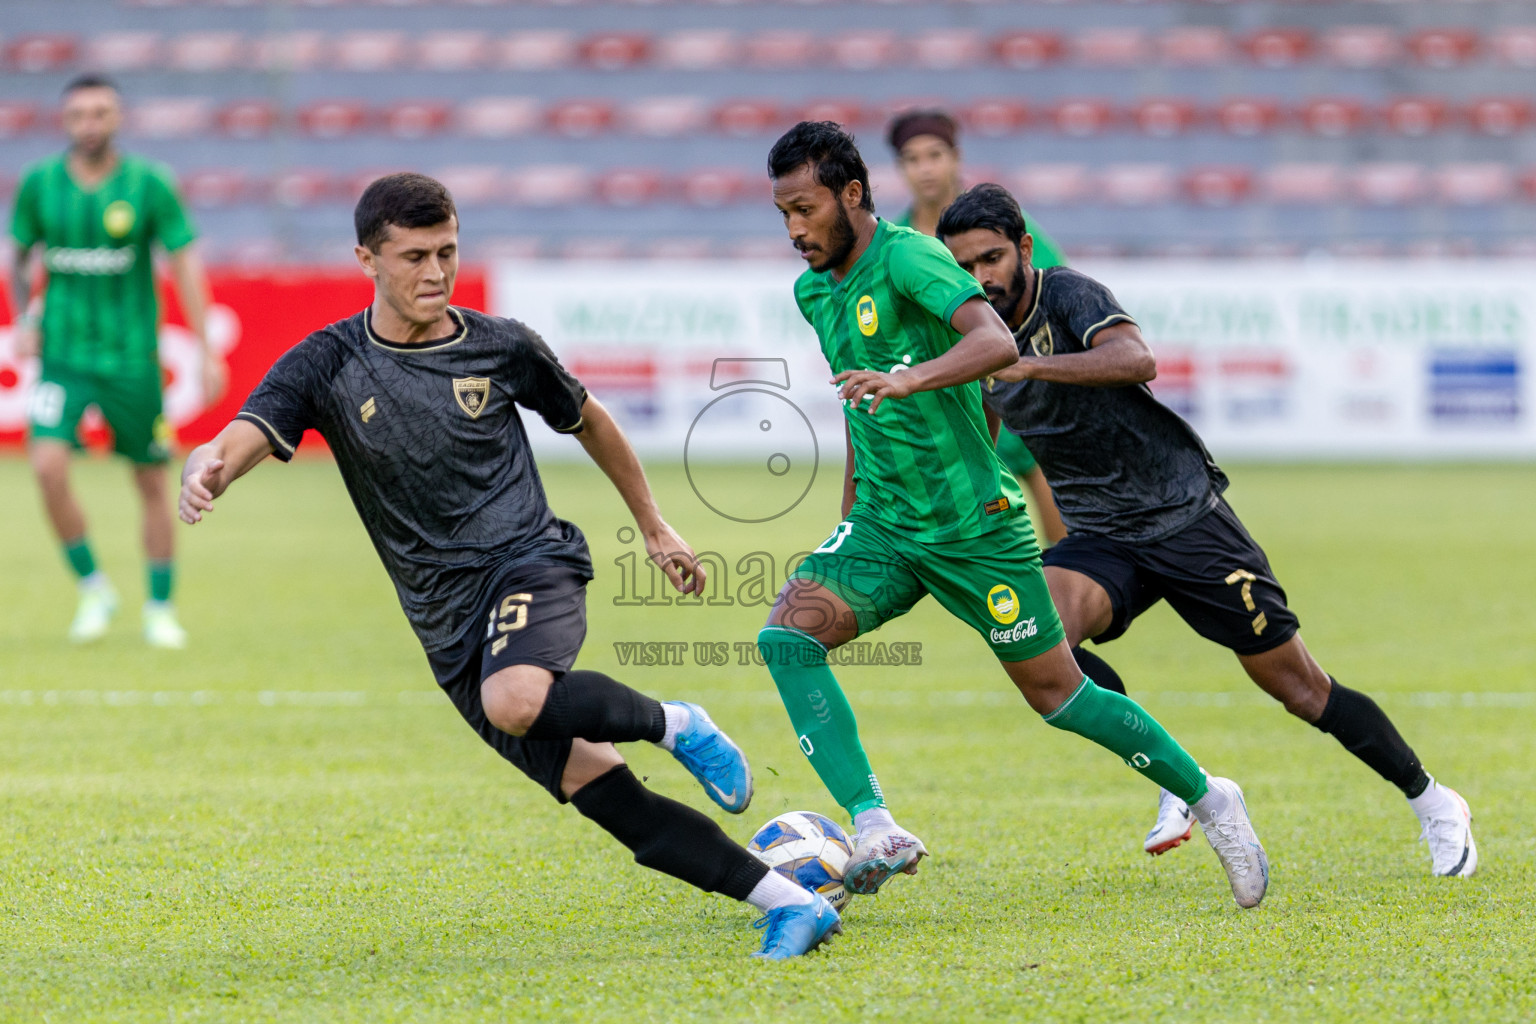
(593, 707)
(667, 836)
(1354, 720)
(1097, 669)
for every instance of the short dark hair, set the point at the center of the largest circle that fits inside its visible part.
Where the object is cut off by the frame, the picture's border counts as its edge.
(831, 152)
(926, 121)
(986, 206)
(408, 200)
(90, 80)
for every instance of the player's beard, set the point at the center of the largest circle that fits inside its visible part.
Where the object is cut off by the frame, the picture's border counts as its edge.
(839, 244)
(1006, 303)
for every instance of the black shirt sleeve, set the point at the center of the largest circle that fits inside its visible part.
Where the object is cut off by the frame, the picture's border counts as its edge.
(1090, 307)
(543, 385)
(290, 398)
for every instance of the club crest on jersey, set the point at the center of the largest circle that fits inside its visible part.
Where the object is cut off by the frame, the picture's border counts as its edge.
(118, 218)
(1042, 342)
(867, 315)
(472, 393)
(1003, 603)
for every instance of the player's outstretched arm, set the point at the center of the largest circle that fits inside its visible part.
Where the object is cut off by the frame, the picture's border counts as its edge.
(610, 449)
(1118, 356)
(212, 467)
(985, 346)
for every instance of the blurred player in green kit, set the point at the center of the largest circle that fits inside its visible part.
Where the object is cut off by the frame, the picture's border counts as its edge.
(96, 212)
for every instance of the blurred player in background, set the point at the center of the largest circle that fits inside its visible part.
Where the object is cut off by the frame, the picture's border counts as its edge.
(929, 509)
(96, 212)
(1143, 500)
(416, 399)
(927, 148)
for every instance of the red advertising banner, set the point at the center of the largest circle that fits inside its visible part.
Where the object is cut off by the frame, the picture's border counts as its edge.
(255, 317)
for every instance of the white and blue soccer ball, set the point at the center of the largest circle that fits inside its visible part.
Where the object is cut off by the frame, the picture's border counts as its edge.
(810, 850)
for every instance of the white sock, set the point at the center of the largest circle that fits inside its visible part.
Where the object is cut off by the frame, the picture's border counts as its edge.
(876, 818)
(1431, 800)
(777, 891)
(94, 580)
(678, 719)
(1215, 804)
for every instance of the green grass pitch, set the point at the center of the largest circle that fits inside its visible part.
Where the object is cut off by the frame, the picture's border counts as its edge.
(287, 822)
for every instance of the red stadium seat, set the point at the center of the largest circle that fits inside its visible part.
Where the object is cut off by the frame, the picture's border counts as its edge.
(615, 51)
(782, 49)
(1334, 118)
(1303, 183)
(1137, 184)
(1081, 118)
(370, 51)
(1111, 47)
(995, 118)
(416, 119)
(711, 187)
(1415, 115)
(741, 118)
(847, 113)
(122, 51)
(1218, 186)
(1248, 117)
(629, 186)
(500, 117)
(289, 51)
(1471, 184)
(1389, 183)
(1195, 46)
(303, 187)
(1165, 118)
(956, 49)
(206, 51)
(38, 53)
(580, 119)
(549, 184)
(334, 119)
(1528, 182)
(761, 247)
(541, 50)
(680, 248)
(865, 50)
(1279, 47)
(456, 50)
(170, 117)
(1443, 48)
(1362, 46)
(1516, 45)
(698, 50)
(1050, 184)
(219, 186)
(1026, 51)
(1499, 115)
(666, 117)
(247, 119)
(16, 119)
(595, 248)
(473, 184)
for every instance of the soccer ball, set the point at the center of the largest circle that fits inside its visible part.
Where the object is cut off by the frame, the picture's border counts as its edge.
(808, 849)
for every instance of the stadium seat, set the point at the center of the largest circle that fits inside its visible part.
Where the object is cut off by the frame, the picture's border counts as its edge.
(1279, 47)
(711, 187)
(205, 52)
(369, 50)
(1362, 46)
(1415, 115)
(761, 247)
(302, 187)
(473, 184)
(1388, 183)
(1516, 45)
(334, 119)
(847, 113)
(499, 117)
(683, 247)
(1472, 184)
(1303, 183)
(41, 52)
(1140, 184)
(864, 50)
(453, 50)
(741, 118)
(1165, 118)
(170, 117)
(509, 247)
(1081, 118)
(995, 118)
(666, 117)
(1195, 46)
(545, 185)
(247, 119)
(1248, 117)
(956, 49)
(580, 119)
(629, 186)
(595, 248)
(1049, 184)
(1334, 117)
(1528, 182)
(416, 119)
(1499, 115)
(781, 49)
(1111, 47)
(539, 50)
(122, 51)
(1026, 51)
(1443, 48)
(1218, 186)
(698, 50)
(615, 51)
(215, 187)
(288, 51)
(16, 119)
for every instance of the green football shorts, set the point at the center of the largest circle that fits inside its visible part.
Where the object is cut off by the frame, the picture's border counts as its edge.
(993, 583)
(1014, 453)
(131, 405)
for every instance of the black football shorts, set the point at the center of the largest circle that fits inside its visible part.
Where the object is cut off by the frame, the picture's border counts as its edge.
(1212, 572)
(537, 615)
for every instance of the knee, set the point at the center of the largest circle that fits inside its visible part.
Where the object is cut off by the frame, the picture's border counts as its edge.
(1305, 694)
(512, 699)
(784, 646)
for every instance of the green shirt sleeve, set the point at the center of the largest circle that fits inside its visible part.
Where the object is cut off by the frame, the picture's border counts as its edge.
(168, 218)
(26, 229)
(1047, 252)
(922, 269)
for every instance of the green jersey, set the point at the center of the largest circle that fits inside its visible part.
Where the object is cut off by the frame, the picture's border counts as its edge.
(925, 464)
(1047, 252)
(100, 313)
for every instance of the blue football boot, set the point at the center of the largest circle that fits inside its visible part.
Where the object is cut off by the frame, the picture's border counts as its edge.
(719, 765)
(795, 931)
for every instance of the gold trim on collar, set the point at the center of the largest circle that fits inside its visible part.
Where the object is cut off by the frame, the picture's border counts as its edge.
(390, 346)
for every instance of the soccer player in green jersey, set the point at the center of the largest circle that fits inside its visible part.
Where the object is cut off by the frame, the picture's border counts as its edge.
(927, 148)
(929, 508)
(96, 213)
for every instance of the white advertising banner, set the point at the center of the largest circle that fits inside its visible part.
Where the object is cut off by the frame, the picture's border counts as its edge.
(707, 361)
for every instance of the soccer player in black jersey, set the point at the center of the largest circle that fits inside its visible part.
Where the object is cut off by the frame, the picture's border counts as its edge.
(416, 398)
(1146, 520)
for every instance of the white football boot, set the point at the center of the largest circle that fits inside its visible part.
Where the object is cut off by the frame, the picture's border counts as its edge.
(1174, 824)
(93, 614)
(879, 854)
(1232, 837)
(161, 628)
(1448, 831)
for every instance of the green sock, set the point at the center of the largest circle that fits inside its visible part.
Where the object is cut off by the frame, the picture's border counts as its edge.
(80, 558)
(1114, 721)
(823, 721)
(162, 576)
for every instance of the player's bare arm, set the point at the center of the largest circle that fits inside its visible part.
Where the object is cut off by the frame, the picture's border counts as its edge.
(26, 318)
(192, 289)
(1118, 356)
(212, 467)
(985, 347)
(610, 449)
